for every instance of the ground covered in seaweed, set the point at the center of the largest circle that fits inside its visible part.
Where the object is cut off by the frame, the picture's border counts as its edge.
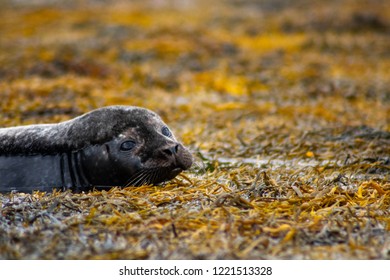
(284, 104)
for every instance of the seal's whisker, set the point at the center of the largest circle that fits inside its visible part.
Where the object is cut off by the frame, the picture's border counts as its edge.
(145, 180)
(131, 179)
(149, 178)
(141, 179)
(136, 181)
(154, 176)
(135, 178)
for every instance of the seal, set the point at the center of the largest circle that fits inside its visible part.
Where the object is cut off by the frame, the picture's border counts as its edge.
(111, 146)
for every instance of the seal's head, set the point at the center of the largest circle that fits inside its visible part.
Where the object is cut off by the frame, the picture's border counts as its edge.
(138, 149)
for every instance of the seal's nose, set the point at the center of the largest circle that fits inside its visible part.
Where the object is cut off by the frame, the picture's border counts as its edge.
(171, 150)
(176, 156)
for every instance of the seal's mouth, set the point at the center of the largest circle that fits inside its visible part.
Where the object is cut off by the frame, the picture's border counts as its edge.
(167, 174)
(175, 172)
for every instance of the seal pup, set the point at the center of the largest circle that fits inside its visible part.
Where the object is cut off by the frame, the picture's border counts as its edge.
(110, 146)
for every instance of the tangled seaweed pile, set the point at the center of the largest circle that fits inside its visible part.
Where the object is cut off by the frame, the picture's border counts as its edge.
(285, 105)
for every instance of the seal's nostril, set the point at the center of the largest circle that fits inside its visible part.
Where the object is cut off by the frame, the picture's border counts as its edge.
(167, 152)
(172, 150)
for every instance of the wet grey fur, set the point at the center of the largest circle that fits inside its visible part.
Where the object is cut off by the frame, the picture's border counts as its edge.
(95, 127)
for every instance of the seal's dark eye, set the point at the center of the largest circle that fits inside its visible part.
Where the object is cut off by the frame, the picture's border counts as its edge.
(165, 131)
(127, 145)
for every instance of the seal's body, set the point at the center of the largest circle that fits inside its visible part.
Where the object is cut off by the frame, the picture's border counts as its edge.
(111, 146)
